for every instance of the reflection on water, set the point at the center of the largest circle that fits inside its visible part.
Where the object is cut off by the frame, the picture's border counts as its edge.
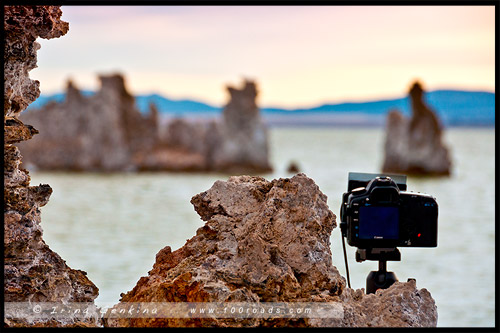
(113, 225)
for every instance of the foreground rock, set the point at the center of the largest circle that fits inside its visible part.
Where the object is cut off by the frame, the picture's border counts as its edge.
(415, 146)
(267, 242)
(32, 272)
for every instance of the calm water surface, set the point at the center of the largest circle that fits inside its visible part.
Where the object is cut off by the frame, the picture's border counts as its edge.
(113, 225)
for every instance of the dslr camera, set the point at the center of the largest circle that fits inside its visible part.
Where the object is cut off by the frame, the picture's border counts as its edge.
(378, 215)
(378, 212)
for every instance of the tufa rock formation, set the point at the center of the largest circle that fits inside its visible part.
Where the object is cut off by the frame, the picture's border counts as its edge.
(23, 25)
(182, 147)
(236, 143)
(106, 132)
(103, 132)
(267, 242)
(414, 146)
(401, 305)
(241, 142)
(32, 272)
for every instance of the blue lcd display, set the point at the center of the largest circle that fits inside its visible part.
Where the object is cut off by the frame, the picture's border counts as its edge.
(376, 222)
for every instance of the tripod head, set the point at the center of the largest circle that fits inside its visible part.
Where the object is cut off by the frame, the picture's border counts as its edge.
(381, 254)
(381, 279)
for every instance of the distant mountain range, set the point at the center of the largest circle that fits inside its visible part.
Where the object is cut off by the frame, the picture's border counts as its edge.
(454, 108)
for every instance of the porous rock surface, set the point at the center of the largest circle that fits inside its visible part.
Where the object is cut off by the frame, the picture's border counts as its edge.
(415, 145)
(32, 271)
(267, 242)
(23, 25)
(401, 305)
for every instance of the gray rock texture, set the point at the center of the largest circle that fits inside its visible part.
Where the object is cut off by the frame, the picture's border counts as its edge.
(241, 140)
(103, 132)
(32, 271)
(106, 132)
(415, 146)
(235, 143)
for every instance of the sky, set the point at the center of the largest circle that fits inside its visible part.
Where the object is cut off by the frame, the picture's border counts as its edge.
(300, 56)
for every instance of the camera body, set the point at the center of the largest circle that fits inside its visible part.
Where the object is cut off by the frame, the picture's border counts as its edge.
(378, 213)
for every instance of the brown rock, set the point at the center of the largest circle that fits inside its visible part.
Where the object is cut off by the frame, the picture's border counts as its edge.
(16, 131)
(293, 167)
(32, 272)
(23, 25)
(267, 242)
(401, 305)
(414, 146)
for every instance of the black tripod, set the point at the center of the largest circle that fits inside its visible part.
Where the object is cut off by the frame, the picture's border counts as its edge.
(381, 279)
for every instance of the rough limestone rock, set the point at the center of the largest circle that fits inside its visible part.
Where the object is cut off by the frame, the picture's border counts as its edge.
(240, 142)
(401, 305)
(415, 146)
(32, 272)
(23, 25)
(102, 132)
(267, 242)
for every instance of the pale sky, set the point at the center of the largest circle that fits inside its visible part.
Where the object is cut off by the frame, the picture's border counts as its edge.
(300, 56)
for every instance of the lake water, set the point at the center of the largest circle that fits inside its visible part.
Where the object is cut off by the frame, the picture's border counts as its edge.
(112, 225)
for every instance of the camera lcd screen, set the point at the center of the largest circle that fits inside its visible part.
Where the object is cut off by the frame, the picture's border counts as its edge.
(376, 222)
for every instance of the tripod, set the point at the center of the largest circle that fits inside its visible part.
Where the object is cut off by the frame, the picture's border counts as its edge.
(381, 279)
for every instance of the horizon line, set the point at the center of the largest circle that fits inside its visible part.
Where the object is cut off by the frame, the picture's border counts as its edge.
(311, 105)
